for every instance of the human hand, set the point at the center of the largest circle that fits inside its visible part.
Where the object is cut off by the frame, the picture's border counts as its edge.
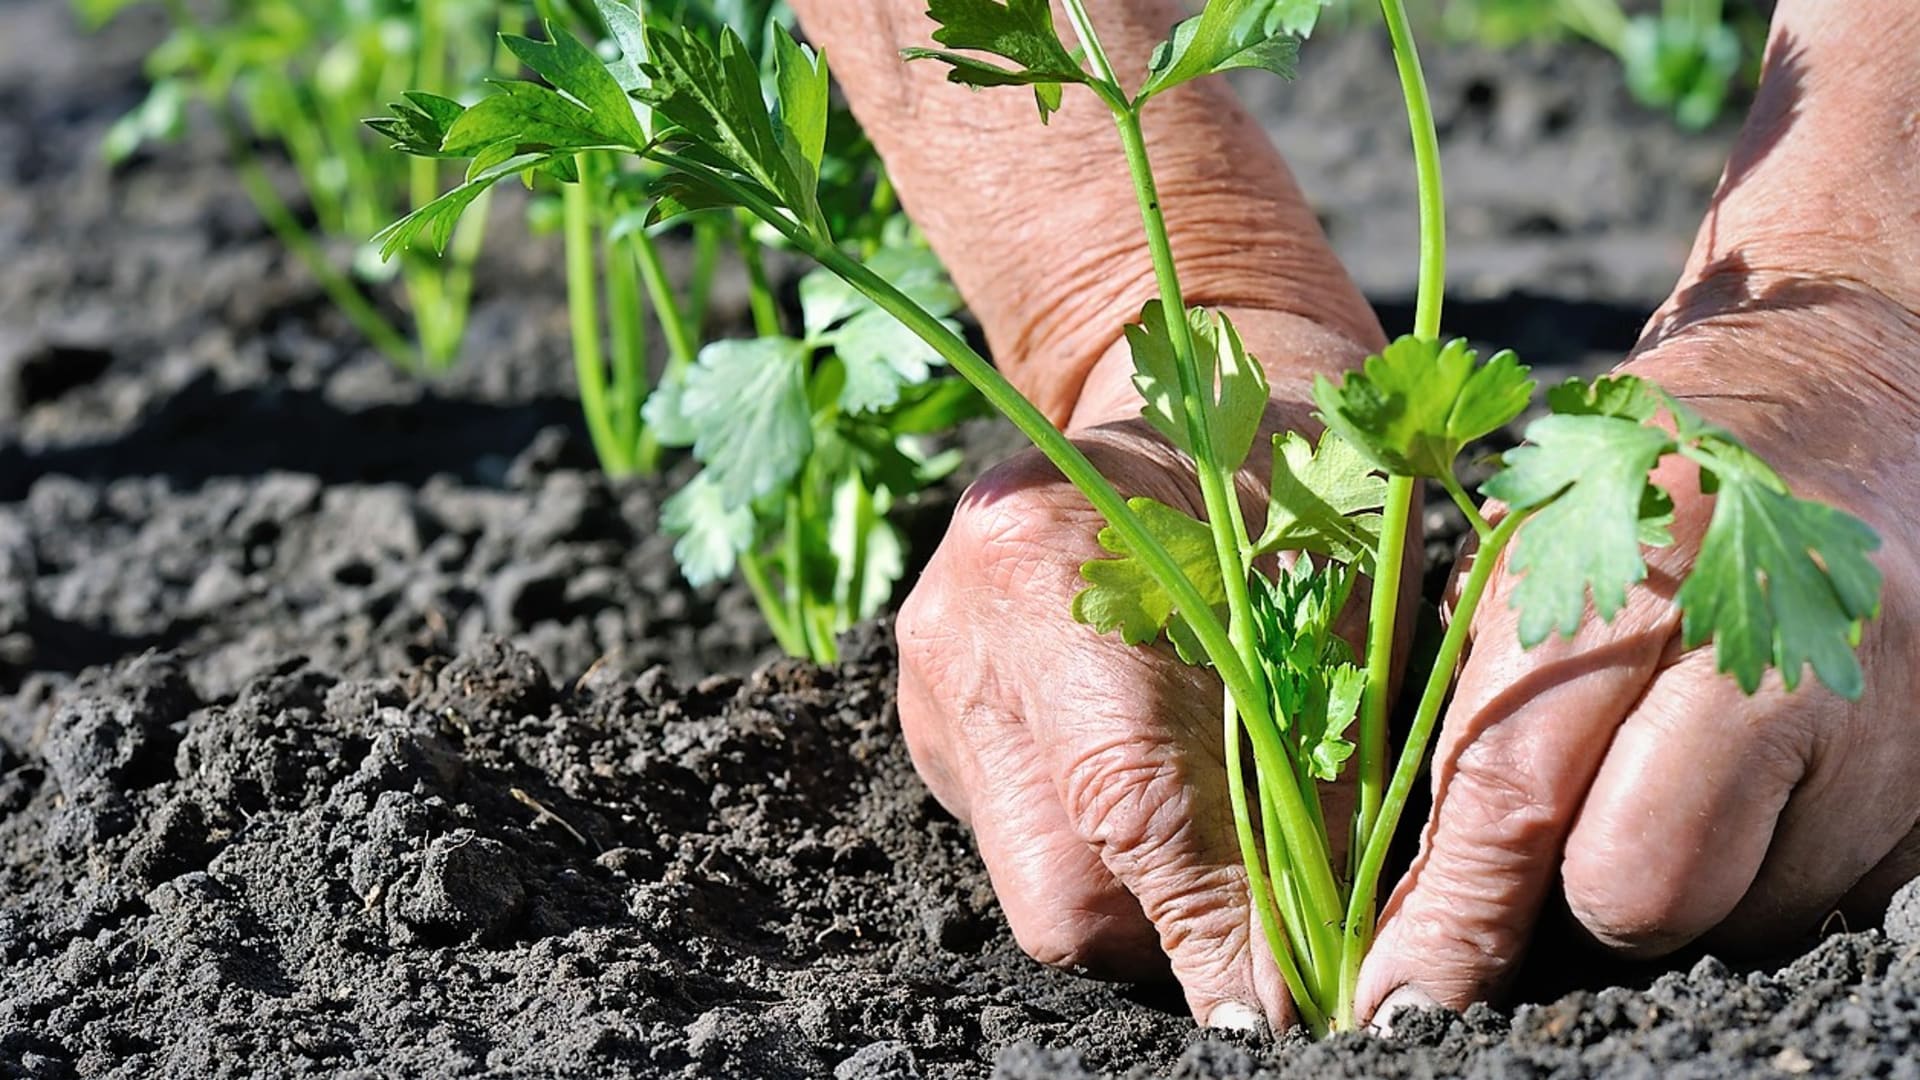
(1092, 773)
(1671, 806)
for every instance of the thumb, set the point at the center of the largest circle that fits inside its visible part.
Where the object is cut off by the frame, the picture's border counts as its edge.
(1522, 744)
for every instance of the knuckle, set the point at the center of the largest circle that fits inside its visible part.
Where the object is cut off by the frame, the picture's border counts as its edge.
(922, 620)
(1125, 796)
(1498, 808)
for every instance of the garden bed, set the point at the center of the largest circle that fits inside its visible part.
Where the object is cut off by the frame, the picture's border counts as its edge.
(355, 725)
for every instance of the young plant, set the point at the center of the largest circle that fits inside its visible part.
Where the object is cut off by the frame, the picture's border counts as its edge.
(807, 441)
(1780, 583)
(302, 75)
(807, 444)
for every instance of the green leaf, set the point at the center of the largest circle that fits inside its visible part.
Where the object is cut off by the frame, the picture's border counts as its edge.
(1323, 730)
(826, 300)
(1020, 32)
(880, 354)
(713, 96)
(937, 405)
(713, 535)
(801, 77)
(1324, 501)
(1781, 582)
(1315, 685)
(1681, 64)
(530, 117)
(160, 115)
(1417, 404)
(1122, 594)
(1229, 34)
(865, 545)
(438, 218)
(665, 413)
(629, 34)
(578, 72)
(1239, 397)
(1590, 475)
(420, 123)
(748, 402)
(1622, 396)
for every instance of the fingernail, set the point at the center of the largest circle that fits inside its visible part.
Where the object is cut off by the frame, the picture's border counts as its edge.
(1407, 997)
(1235, 1016)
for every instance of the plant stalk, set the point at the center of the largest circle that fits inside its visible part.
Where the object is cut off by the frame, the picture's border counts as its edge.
(339, 288)
(1378, 812)
(1367, 878)
(583, 314)
(1304, 849)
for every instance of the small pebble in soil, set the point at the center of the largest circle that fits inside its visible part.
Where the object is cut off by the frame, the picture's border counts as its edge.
(886, 1060)
(1903, 917)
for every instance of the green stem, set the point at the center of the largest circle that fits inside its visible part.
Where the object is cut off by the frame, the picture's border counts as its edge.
(423, 175)
(679, 328)
(1464, 501)
(799, 600)
(1377, 809)
(1305, 845)
(469, 236)
(682, 345)
(863, 523)
(1308, 949)
(766, 307)
(1259, 887)
(628, 334)
(767, 598)
(706, 262)
(1389, 561)
(1426, 163)
(1367, 878)
(584, 319)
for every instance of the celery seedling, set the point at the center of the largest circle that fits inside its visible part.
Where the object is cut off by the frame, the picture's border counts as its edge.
(1780, 583)
(807, 444)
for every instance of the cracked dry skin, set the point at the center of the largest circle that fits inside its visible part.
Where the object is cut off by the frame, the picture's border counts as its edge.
(353, 727)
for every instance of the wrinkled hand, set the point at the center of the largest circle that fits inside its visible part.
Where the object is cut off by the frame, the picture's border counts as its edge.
(1091, 773)
(1671, 805)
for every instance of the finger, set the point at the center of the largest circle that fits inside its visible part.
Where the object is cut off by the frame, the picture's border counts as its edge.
(1064, 907)
(1853, 813)
(1520, 748)
(1151, 800)
(1686, 807)
(925, 648)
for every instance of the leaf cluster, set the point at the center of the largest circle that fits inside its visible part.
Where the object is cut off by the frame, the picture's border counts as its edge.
(669, 88)
(1780, 582)
(990, 43)
(815, 436)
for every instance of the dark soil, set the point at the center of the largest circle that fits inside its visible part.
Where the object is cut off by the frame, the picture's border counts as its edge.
(353, 726)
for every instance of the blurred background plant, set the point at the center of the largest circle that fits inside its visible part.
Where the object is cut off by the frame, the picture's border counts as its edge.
(296, 78)
(1683, 57)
